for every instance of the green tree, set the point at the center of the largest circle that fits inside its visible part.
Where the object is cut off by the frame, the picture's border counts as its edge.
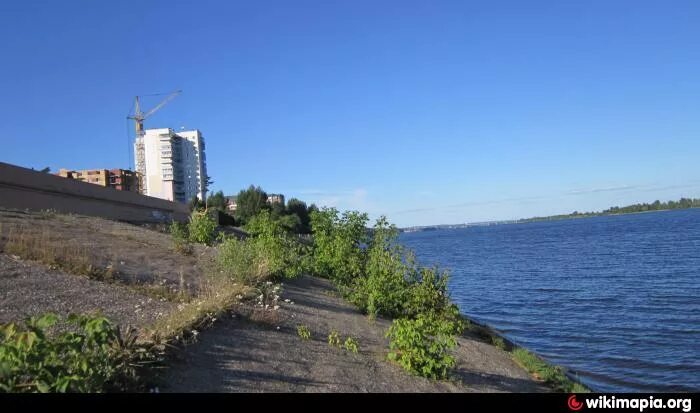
(195, 204)
(278, 209)
(250, 202)
(299, 208)
(217, 200)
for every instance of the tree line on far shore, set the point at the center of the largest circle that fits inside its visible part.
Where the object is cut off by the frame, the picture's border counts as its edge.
(657, 205)
(294, 215)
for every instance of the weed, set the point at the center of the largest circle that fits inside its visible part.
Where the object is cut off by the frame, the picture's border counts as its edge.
(334, 339)
(498, 342)
(351, 345)
(268, 295)
(93, 357)
(214, 296)
(266, 317)
(541, 370)
(303, 332)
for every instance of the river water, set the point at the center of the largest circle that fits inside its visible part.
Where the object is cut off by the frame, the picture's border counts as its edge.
(614, 298)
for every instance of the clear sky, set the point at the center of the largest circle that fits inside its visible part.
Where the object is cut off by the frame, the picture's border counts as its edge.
(427, 111)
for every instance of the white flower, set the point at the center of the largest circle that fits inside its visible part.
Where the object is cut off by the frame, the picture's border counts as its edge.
(195, 332)
(276, 307)
(286, 300)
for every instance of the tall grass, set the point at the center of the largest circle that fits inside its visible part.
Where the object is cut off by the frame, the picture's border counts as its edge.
(54, 250)
(552, 375)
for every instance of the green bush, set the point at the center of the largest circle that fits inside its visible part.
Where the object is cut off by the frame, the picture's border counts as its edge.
(201, 228)
(285, 256)
(91, 357)
(394, 284)
(338, 241)
(240, 260)
(382, 278)
(384, 289)
(428, 291)
(422, 345)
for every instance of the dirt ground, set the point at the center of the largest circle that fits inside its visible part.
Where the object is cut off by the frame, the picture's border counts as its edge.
(134, 254)
(237, 355)
(31, 289)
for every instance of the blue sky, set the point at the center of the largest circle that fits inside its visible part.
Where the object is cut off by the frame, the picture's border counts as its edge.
(429, 112)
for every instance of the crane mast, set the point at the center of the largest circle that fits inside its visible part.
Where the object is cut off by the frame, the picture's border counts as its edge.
(139, 145)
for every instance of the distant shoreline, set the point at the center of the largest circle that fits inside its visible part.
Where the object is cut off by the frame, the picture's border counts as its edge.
(536, 219)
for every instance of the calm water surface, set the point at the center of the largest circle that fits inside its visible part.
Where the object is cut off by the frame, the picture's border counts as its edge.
(615, 298)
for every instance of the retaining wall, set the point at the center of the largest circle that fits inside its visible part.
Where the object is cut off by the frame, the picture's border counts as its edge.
(22, 188)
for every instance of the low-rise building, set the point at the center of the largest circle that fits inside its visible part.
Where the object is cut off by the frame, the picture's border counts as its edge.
(231, 203)
(124, 180)
(119, 179)
(275, 199)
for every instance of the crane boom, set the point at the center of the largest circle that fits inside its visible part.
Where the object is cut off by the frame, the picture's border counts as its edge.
(139, 116)
(164, 102)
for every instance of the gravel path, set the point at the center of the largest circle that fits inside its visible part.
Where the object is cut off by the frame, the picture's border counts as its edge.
(237, 355)
(28, 289)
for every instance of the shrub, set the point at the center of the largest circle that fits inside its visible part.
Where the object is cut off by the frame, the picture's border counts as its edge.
(240, 260)
(303, 332)
(382, 278)
(201, 228)
(93, 358)
(428, 291)
(422, 345)
(384, 290)
(351, 345)
(179, 232)
(286, 257)
(338, 242)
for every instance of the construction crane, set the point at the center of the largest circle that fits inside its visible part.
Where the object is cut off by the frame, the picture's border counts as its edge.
(138, 116)
(139, 147)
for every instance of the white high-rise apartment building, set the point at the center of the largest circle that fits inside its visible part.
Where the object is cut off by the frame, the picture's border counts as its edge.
(173, 165)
